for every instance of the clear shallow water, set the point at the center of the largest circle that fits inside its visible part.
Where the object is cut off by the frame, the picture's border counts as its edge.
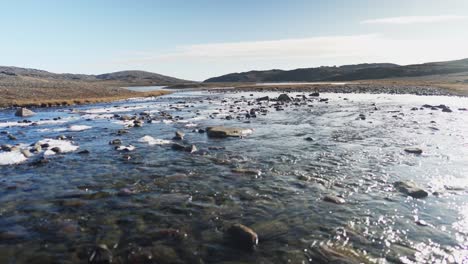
(158, 205)
(146, 88)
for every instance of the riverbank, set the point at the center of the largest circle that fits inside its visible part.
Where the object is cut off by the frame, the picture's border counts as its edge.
(48, 97)
(373, 87)
(87, 93)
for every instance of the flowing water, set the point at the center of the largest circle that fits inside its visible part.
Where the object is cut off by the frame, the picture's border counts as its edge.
(158, 205)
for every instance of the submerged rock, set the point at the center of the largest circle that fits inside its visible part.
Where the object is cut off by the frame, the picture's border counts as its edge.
(338, 254)
(421, 223)
(242, 236)
(181, 147)
(223, 132)
(254, 172)
(100, 255)
(410, 189)
(24, 112)
(334, 199)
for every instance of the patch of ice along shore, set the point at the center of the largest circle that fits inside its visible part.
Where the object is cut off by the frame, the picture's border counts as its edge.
(154, 141)
(11, 158)
(77, 128)
(107, 110)
(42, 122)
(63, 145)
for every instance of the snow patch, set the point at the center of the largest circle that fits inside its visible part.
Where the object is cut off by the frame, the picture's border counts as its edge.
(126, 148)
(97, 116)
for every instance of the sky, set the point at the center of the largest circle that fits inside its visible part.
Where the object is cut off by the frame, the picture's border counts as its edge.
(198, 39)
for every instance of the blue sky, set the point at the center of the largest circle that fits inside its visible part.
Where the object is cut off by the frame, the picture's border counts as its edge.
(203, 38)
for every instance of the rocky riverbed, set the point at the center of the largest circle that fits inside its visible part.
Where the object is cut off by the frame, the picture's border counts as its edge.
(238, 177)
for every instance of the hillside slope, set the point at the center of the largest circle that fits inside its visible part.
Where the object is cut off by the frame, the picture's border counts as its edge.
(347, 72)
(23, 86)
(130, 77)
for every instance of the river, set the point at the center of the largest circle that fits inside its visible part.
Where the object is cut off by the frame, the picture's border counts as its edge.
(154, 204)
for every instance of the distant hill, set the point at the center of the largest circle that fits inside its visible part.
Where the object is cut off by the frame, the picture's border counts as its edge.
(125, 77)
(132, 76)
(347, 72)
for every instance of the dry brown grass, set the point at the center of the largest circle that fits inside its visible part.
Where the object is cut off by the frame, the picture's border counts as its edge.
(37, 92)
(80, 101)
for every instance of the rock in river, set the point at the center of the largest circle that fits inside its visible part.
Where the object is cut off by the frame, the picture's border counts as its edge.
(223, 132)
(284, 98)
(181, 147)
(179, 135)
(334, 199)
(410, 189)
(100, 255)
(115, 142)
(417, 151)
(243, 236)
(24, 112)
(265, 98)
(337, 254)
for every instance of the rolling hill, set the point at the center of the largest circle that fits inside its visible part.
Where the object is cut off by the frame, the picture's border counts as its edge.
(130, 77)
(347, 72)
(23, 86)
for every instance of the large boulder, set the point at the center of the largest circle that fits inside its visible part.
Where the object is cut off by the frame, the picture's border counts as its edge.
(223, 132)
(284, 98)
(24, 112)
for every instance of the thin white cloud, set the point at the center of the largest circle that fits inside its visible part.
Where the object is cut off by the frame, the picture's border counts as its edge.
(207, 60)
(405, 20)
(331, 46)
